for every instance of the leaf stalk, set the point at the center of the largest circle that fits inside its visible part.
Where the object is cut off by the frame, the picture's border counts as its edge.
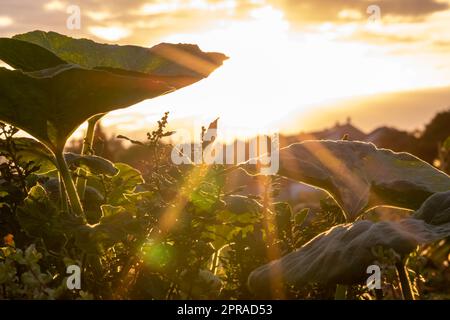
(69, 185)
(405, 283)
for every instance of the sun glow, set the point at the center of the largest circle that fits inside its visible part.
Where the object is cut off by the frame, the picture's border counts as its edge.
(113, 33)
(5, 21)
(55, 5)
(273, 72)
(167, 6)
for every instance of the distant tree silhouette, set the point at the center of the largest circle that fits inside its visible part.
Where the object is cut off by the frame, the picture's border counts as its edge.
(435, 133)
(396, 140)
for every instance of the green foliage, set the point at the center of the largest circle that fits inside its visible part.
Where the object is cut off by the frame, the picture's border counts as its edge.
(31, 151)
(342, 254)
(170, 232)
(21, 276)
(163, 60)
(360, 176)
(27, 56)
(436, 209)
(123, 183)
(39, 218)
(161, 231)
(52, 99)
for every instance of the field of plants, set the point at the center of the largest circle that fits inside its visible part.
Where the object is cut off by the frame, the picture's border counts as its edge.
(170, 231)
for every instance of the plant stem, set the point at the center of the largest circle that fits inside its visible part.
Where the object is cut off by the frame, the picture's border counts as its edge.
(341, 292)
(71, 191)
(87, 147)
(62, 194)
(404, 281)
(215, 261)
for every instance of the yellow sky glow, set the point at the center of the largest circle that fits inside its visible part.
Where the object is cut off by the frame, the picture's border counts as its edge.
(273, 72)
(283, 63)
(113, 33)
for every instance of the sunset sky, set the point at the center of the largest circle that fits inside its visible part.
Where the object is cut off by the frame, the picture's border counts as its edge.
(291, 61)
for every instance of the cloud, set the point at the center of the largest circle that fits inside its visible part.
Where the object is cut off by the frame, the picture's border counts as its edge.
(148, 21)
(139, 21)
(382, 38)
(113, 33)
(307, 11)
(55, 5)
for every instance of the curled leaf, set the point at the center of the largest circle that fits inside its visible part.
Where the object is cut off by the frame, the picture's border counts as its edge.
(78, 79)
(436, 209)
(360, 176)
(91, 163)
(30, 150)
(342, 254)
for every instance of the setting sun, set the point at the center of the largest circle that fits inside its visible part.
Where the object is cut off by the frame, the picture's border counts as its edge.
(275, 70)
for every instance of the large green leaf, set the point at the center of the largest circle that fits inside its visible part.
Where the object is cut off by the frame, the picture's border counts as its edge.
(436, 209)
(164, 59)
(29, 150)
(51, 103)
(27, 56)
(360, 176)
(91, 163)
(342, 254)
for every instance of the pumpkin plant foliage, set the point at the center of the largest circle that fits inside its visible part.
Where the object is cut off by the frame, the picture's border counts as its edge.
(342, 254)
(75, 79)
(168, 231)
(30, 150)
(361, 176)
(436, 209)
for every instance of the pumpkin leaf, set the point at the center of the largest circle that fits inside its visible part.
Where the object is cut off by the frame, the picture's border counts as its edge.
(342, 254)
(436, 209)
(164, 59)
(51, 107)
(360, 176)
(27, 56)
(91, 163)
(30, 150)
(51, 103)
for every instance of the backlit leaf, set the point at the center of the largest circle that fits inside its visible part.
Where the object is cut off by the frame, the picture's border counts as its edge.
(79, 78)
(360, 176)
(342, 254)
